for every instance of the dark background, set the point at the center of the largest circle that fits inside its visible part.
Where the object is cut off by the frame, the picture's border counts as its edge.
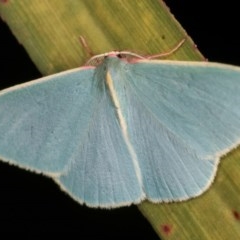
(32, 205)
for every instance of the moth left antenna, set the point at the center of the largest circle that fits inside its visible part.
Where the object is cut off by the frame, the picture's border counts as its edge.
(86, 47)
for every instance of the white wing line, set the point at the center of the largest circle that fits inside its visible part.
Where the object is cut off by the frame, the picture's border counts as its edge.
(123, 126)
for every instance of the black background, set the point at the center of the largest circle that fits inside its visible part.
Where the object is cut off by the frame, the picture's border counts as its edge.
(32, 205)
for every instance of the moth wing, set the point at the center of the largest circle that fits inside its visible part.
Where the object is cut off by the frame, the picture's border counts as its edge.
(181, 118)
(43, 121)
(102, 172)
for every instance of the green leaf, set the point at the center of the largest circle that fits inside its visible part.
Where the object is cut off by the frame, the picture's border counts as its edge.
(50, 31)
